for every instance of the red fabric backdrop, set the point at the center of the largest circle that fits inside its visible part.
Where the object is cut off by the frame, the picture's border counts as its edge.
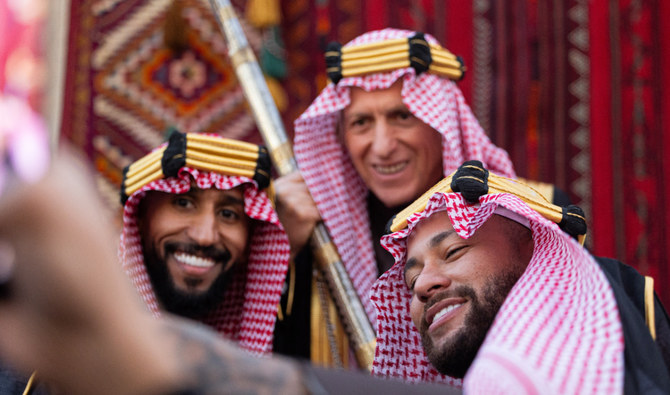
(573, 89)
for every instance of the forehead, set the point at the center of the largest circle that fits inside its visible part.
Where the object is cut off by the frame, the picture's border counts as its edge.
(428, 228)
(361, 99)
(426, 234)
(236, 193)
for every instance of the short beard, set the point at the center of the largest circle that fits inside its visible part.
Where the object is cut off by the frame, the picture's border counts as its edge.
(176, 301)
(455, 356)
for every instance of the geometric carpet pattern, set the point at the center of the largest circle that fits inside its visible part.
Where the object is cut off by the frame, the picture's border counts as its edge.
(127, 84)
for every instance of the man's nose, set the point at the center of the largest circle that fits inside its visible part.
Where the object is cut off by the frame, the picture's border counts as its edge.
(384, 139)
(203, 229)
(431, 280)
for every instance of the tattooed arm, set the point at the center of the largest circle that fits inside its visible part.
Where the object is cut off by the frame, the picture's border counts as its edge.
(211, 365)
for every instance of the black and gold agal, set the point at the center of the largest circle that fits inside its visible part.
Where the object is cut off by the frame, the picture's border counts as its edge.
(202, 152)
(472, 180)
(391, 54)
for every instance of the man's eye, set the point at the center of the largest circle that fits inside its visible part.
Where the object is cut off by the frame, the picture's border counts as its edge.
(228, 214)
(403, 116)
(454, 252)
(410, 280)
(182, 202)
(357, 123)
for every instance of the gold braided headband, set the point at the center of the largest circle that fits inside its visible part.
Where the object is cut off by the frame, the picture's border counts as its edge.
(207, 153)
(392, 54)
(472, 176)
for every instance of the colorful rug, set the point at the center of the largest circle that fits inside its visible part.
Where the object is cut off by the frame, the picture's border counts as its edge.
(137, 67)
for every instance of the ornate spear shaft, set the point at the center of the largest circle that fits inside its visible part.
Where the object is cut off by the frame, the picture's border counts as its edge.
(356, 322)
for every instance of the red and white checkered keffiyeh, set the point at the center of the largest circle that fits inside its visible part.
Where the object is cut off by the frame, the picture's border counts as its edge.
(558, 331)
(248, 312)
(339, 192)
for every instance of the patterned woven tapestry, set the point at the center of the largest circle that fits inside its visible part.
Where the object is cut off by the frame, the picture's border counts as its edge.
(571, 88)
(137, 67)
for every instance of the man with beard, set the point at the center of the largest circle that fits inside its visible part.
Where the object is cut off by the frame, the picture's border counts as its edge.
(201, 238)
(499, 253)
(501, 297)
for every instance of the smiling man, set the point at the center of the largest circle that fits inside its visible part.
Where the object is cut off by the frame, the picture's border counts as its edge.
(501, 297)
(201, 238)
(459, 285)
(191, 241)
(395, 153)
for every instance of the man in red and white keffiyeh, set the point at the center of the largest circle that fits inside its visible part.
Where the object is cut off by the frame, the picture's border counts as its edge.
(207, 245)
(370, 144)
(495, 293)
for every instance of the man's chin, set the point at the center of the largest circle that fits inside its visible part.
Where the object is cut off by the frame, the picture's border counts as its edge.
(193, 286)
(451, 354)
(188, 296)
(190, 292)
(190, 303)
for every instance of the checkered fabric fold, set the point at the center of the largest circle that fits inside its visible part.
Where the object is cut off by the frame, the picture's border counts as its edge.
(337, 189)
(248, 312)
(558, 331)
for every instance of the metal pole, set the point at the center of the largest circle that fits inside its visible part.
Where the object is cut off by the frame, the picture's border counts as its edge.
(354, 317)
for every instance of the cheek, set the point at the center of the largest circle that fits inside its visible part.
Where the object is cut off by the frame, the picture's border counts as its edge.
(239, 239)
(416, 311)
(164, 225)
(355, 146)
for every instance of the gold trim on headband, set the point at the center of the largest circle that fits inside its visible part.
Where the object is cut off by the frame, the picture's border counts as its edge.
(202, 152)
(392, 54)
(496, 184)
(392, 44)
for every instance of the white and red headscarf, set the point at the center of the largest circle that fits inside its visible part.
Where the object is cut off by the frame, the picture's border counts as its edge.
(339, 192)
(558, 331)
(247, 314)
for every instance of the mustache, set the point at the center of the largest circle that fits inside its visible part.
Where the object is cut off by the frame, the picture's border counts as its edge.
(461, 291)
(216, 254)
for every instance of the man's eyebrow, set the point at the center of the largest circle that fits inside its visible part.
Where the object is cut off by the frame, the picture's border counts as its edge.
(192, 191)
(438, 238)
(226, 198)
(354, 114)
(400, 108)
